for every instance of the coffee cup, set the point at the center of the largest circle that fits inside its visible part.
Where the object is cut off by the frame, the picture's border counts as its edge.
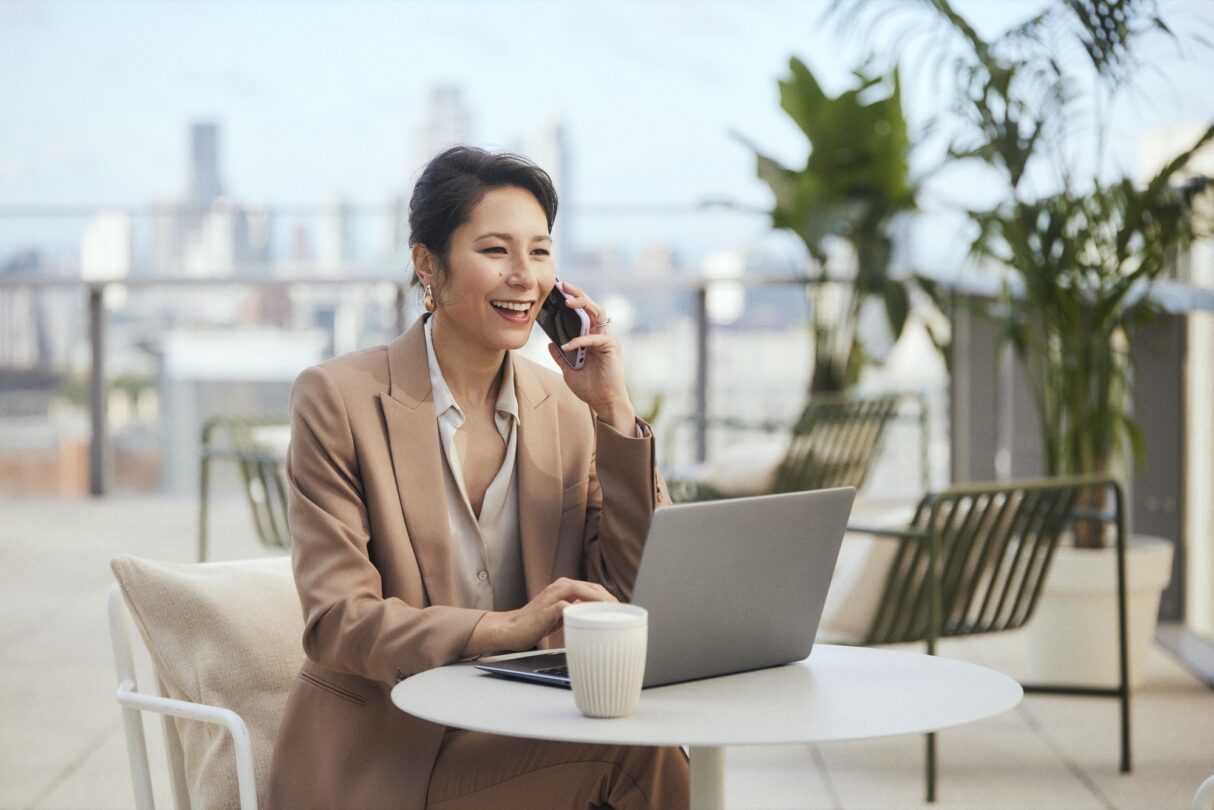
(605, 646)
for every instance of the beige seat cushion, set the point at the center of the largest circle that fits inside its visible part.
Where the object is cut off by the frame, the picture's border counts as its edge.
(745, 468)
(860, 573)
(225, 634)
(855, 590)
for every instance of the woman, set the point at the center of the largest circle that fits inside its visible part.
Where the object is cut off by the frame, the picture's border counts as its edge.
(448, 499)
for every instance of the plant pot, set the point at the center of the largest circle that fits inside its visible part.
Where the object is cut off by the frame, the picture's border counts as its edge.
(1072, 637)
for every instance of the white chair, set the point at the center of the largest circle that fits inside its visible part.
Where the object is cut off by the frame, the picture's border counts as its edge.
(134, 702)
(224, 642)
(1204, 798)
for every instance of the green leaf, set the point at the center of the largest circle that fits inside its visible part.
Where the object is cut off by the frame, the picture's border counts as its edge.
(897, 306)
(856, 178)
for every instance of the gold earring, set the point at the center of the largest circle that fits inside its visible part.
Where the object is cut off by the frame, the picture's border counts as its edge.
(428, 299)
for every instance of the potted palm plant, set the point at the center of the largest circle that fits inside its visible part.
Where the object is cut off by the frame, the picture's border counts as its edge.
(1080, 261)
(854, 184)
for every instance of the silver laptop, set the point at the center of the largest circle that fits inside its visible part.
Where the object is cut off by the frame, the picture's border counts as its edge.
(730, 586)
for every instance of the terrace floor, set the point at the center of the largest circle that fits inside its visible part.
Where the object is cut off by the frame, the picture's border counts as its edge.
(61, 740)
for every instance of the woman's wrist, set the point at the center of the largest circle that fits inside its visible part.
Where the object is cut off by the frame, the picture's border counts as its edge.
(623, 419)
(488, 636)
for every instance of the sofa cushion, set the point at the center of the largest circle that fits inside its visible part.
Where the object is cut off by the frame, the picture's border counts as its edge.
(225, 634)
(860, 572)
(745, 468)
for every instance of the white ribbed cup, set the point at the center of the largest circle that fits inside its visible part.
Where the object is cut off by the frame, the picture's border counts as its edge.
(605, 647)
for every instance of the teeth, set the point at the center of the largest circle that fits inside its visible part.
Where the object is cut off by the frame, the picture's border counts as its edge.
(512, 306)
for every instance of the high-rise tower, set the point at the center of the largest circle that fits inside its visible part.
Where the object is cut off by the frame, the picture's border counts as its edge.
(204, 164)
(448, 122)
(548, 146)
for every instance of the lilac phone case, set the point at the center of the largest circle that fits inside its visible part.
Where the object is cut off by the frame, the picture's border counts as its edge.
(580, 358)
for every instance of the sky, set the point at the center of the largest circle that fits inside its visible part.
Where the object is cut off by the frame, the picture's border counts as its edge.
(321, 100)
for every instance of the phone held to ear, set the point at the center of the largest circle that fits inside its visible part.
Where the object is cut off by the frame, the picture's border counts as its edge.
(563, 324)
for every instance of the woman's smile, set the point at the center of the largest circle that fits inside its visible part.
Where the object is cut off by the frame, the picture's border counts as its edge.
(514, 311)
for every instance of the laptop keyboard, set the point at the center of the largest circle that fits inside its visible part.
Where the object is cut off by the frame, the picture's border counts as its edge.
(557, 672)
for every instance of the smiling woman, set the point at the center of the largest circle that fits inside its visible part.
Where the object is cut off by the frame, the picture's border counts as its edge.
(448, 499)
(498, 263)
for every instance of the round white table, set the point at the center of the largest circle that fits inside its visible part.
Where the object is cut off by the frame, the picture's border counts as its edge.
(838, 693)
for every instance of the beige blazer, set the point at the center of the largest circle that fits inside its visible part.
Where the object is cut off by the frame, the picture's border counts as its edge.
(368, 519)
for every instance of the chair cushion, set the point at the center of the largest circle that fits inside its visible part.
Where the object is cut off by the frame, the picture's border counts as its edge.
(856, 588)
(745, 468)
(860, 573)
(225, 634)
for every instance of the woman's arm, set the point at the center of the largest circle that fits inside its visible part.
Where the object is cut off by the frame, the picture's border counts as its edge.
(625, 488)
(522, 629)
(349, 625)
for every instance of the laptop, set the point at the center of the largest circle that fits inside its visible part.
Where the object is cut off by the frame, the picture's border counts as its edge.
(730, 586)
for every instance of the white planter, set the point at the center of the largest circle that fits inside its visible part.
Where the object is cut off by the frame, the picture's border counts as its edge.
(1072, 638)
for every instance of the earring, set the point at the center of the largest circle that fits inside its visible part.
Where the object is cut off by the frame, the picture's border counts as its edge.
(428, 299)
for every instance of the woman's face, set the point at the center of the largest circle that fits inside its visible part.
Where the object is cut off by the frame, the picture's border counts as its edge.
(499, 270)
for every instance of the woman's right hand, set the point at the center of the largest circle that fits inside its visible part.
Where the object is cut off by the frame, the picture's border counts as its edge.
(522, 629)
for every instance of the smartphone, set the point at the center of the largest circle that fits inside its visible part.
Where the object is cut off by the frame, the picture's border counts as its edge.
(562, 324)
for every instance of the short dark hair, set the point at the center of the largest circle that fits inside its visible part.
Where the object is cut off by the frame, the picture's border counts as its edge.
(456, 180)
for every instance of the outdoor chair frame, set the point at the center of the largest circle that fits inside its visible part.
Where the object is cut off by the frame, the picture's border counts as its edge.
(134, 702)
(835, 442)
(261, 474)
(974, 561)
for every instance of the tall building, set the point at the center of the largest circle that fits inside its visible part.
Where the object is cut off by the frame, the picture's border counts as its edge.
(28, 380)
(398, 226)
(334, 238)
(448, 122)
(167, 237)
(549, 147)
(205, 234)
(24, 342)
(205, 186)
(178, 226)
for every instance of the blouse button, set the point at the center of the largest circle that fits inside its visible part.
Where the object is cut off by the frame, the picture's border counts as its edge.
(483, 576)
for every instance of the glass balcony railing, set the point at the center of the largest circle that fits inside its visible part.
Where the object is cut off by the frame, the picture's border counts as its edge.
(129, 371)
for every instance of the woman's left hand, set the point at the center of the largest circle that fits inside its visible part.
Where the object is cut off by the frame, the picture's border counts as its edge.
(600, 382)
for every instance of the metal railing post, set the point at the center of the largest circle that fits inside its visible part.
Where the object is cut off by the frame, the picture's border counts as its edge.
(98, 437)
(701, 381)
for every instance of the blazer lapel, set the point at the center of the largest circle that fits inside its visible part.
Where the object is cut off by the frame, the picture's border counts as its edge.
(539, 471)
(412, 430)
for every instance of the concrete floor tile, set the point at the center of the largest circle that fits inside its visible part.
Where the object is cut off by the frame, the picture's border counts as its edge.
(1164, 729)
(1053, 754)
(977, 767)
(773, 777)
(1160, 787)
(101, 781)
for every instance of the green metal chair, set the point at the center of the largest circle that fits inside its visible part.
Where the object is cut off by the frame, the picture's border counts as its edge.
(261, 475)
(974, 560)
(834, 443)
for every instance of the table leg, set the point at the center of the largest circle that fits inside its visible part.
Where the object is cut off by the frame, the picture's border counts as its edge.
(707, 778)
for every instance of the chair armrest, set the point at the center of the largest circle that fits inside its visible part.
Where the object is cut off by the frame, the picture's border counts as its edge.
(130, 698)
(756, 425)
(689, 491)
(898, 534)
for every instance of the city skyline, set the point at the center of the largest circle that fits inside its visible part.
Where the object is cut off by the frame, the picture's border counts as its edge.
(649, 97)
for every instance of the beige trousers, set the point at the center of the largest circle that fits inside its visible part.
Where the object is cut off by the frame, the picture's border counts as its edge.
(476, 770)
